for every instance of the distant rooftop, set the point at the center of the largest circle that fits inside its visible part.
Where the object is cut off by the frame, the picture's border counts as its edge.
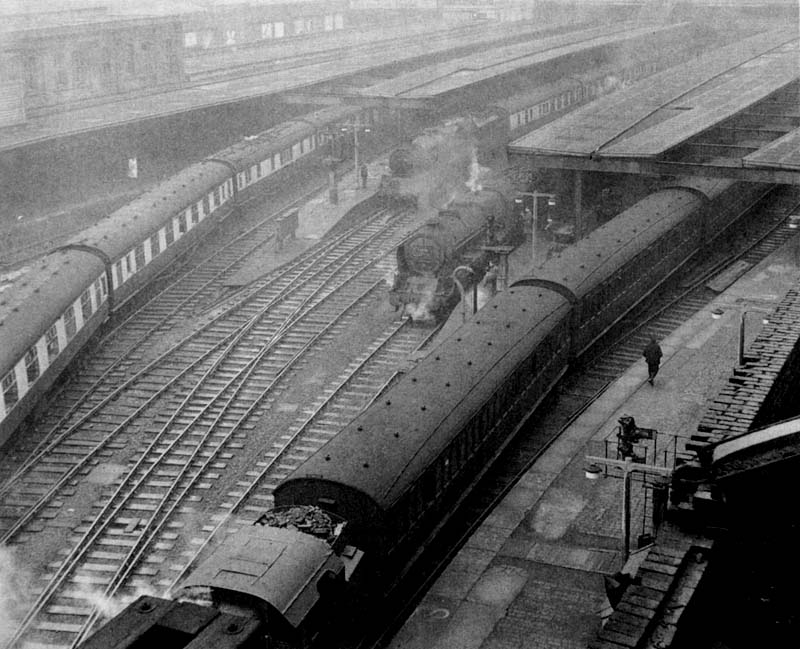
(29, 21)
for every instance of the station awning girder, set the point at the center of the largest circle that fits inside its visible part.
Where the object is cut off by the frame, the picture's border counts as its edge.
(653, 167)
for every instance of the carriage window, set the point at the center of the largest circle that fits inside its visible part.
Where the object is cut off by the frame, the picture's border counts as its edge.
(195, 212)
(276, 161)
(51, 338)
(32, 365)
(169, 234)
(182, 223)
(101, 285)
(138, 255)
(86, 305)
(99, 294)
(206, 206)
(286, 156)
(155, 245)
(218, 195)
(70, 327)
(10, 391)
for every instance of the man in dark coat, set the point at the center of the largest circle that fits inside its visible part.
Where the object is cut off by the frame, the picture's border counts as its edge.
(652, 354)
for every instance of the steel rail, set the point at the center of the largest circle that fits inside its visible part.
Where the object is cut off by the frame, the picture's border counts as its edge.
(39, 453)
(287, 444)
(95, 529)
(135, 554)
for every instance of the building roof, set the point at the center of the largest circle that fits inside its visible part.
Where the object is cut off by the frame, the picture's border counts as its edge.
(730, 93)
(434, 80)
(661, 101)
(34, 299)
(783, 152)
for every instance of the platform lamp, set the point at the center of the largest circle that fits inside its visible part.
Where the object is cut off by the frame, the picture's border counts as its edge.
(598, 467)
(551, 201)
(356, 128)
(470, 273)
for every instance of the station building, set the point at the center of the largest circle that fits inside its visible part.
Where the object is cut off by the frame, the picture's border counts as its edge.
(228, 25)
(51, 61)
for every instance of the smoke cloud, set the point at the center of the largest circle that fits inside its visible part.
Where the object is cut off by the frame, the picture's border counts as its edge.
(107, 607)
(15, 594)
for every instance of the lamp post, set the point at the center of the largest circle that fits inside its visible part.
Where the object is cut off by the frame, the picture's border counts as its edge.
(461, 291)
(551, 201)
(594, 471)
(356, 128)
(717, 313)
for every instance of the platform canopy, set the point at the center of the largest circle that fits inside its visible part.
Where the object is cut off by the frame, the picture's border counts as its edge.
(732, 113)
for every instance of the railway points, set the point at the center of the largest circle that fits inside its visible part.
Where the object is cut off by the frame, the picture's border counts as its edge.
(710, 115)
(532, 574)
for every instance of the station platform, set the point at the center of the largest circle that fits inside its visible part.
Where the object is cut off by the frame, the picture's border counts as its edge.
(532, 575)
(234, 88)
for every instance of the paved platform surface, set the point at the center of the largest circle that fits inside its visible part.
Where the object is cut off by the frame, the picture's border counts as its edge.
(531, 577)
(673, 104)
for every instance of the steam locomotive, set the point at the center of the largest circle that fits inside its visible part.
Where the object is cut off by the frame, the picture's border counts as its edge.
(354, 515)
(471, 206)
(427, 260)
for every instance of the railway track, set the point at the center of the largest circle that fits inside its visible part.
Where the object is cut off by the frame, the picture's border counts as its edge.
(762, 230)
(178, 420)
(234, 68)
(102, 406)
(127, 341)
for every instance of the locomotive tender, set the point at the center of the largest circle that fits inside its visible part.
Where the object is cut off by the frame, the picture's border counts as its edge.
(393, 475)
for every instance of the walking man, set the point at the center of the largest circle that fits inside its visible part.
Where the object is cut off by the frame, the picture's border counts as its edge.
(652, 354)
(364, 175)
